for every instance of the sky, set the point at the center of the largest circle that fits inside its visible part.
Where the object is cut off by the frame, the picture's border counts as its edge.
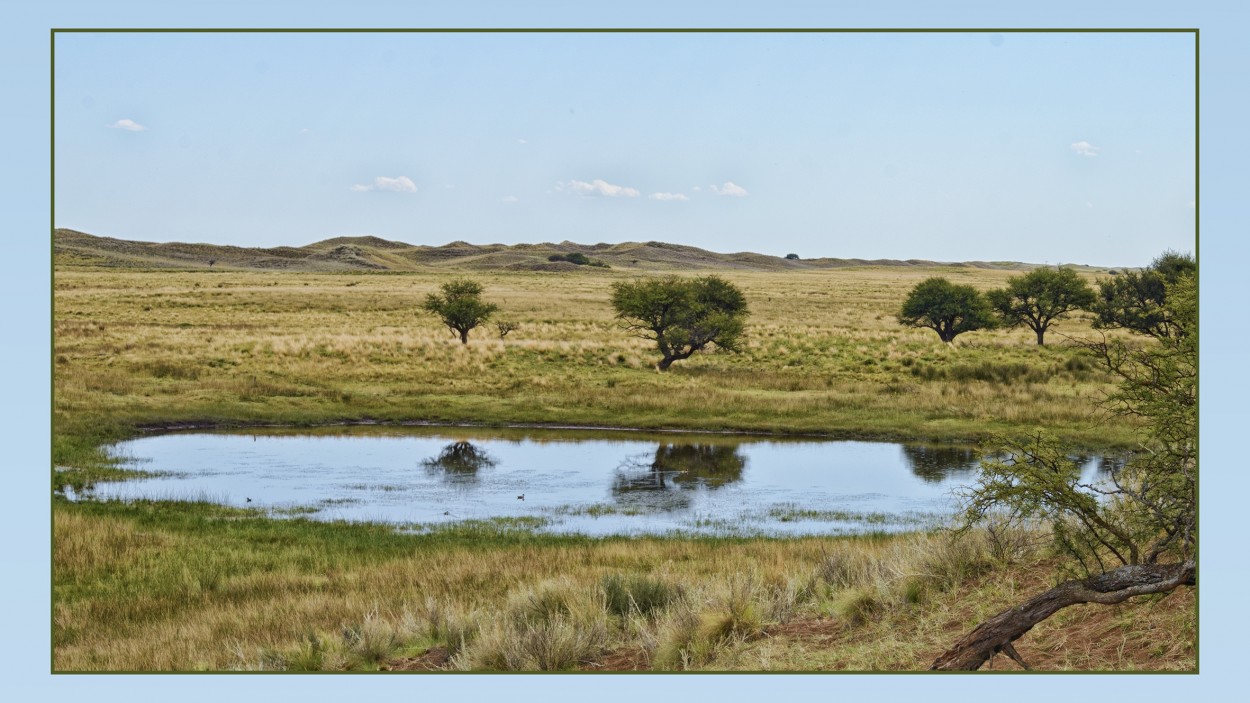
(1045, 148)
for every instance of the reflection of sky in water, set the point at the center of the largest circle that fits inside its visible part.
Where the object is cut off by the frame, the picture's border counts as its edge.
(617, 484)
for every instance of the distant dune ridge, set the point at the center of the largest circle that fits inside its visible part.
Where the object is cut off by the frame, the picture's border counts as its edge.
(73, 248)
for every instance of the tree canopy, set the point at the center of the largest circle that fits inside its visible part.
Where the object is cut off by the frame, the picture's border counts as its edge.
(1132, 534)
(946, 308)
(1039, 297)
(460, 306)
(682, 315)
(1137, 300)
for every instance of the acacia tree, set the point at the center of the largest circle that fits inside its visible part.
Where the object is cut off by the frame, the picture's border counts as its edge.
(1137, 300)
(1039, 297)
(460, 306)
(946, 308)
(1133, 535)
(682, 316)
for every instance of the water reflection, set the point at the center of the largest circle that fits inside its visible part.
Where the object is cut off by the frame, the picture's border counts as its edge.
(647, 491)
(706, 465)
(935, 464)
(662, 481)
(578, 482)
(459, 463)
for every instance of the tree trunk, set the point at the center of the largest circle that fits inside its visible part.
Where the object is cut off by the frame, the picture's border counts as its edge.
(464, 336)
(668, 359)
(1041, 331)
(996, 634)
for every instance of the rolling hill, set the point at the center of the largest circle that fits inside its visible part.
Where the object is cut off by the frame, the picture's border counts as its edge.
(79, 249)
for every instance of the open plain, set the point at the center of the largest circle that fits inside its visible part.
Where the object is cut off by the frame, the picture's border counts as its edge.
(184, 584)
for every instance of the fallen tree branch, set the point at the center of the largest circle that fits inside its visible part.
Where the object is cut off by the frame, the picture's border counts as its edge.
(997, 634)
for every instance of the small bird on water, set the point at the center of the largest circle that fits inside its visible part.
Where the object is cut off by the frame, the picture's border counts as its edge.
(521, 497)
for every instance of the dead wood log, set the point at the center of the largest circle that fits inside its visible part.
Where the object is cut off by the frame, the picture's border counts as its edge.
(997, 634)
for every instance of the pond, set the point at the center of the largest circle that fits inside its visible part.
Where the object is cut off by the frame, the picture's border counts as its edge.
(593, 483)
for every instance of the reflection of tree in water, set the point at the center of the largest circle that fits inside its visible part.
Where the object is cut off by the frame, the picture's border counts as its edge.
(710, 465)
(459, 462)
(636, 487)
(1097, 470)
(1110, 463)
(657, 484)
(936, 464)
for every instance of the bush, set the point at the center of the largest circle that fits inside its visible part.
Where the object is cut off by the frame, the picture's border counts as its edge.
(578, 258)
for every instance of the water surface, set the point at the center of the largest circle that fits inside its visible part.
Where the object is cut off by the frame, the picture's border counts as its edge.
(597, 483)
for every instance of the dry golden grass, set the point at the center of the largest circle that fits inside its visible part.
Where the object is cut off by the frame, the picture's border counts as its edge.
(823, 353)
(191, 586)
(187, 586)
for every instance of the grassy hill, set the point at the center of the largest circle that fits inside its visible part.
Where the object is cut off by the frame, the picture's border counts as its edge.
(73, 248)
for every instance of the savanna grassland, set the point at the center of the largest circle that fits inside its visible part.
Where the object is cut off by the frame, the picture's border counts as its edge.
(155, 586)
(823, 354)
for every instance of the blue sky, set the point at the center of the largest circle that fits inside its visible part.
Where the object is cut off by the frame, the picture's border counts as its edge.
(956, 146)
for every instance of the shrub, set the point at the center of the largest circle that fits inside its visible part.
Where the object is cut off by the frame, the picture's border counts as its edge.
(578, 258)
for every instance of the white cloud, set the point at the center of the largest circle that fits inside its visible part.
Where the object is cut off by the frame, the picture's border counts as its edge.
(511, 199)
(1089, 205)
(667, 196)
(522, 141)
(128, 125)
(696, 189)
(399, 184)
(1086, 149)
(599, 187)
(305, 130)
(730, 188)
